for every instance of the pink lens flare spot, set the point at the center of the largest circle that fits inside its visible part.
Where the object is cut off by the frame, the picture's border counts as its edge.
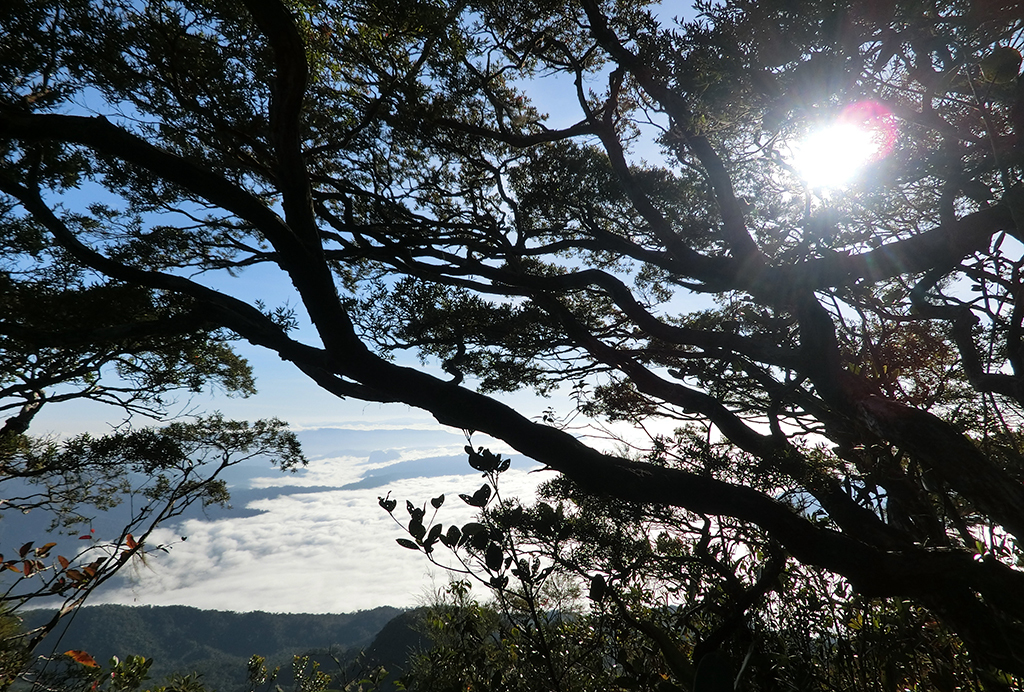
(877, 121)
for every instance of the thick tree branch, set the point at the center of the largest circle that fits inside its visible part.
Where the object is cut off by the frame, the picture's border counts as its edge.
(222, 309)
(176, 325)
(101, 135)
(940, 249)
(288, 92)
(931, 440)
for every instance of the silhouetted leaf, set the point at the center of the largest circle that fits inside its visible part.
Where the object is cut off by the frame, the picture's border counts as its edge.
(472, 528)
(475, 535)
(493, 557)
(415, 512)
(453, 536)
(479, 498)
(406, 543)
(432, 536)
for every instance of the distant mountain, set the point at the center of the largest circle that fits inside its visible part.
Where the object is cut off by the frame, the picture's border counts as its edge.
(396, 642)
(429, 467)
(322, 442)
(391, 649)
(215, 643)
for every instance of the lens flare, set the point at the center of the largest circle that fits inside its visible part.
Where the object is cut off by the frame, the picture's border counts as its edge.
(836, 153)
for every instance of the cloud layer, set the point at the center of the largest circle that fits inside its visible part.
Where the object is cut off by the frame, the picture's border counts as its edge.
(317, 541)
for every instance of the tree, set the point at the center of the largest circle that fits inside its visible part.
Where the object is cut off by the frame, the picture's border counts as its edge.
(385, 161)
(160, 471)
(596, 593)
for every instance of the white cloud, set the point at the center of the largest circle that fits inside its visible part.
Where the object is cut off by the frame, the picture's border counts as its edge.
(314, 552)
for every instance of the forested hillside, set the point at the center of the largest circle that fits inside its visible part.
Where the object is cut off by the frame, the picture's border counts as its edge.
(218, 644)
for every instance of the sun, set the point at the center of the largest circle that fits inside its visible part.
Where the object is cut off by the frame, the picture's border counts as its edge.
(834, 154)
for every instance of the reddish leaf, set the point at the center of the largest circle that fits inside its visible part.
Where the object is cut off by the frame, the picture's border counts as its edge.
(76, 575)
(24, 549)
(83, 658)
(43, 551)
(11, 566)
(28, 568)
(85, 537)
(64, 562)
(130, 542)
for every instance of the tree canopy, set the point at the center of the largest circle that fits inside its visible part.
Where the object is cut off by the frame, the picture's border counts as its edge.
(388, 167)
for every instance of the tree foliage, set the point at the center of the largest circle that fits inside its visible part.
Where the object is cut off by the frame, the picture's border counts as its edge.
(383, 167)
(158, 472)
(592, 593)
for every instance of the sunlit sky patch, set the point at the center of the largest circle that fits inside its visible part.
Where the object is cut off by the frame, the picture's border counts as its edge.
(835, 153)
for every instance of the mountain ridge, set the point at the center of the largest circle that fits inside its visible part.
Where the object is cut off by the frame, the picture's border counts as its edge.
(218, 644)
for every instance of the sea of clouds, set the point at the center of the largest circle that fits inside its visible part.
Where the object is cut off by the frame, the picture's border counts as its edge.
(317, 541)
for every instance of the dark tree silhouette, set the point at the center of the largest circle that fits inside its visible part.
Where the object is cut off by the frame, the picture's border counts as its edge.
(386, 161)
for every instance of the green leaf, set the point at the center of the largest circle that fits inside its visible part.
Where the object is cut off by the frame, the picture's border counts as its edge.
(1001, 66)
